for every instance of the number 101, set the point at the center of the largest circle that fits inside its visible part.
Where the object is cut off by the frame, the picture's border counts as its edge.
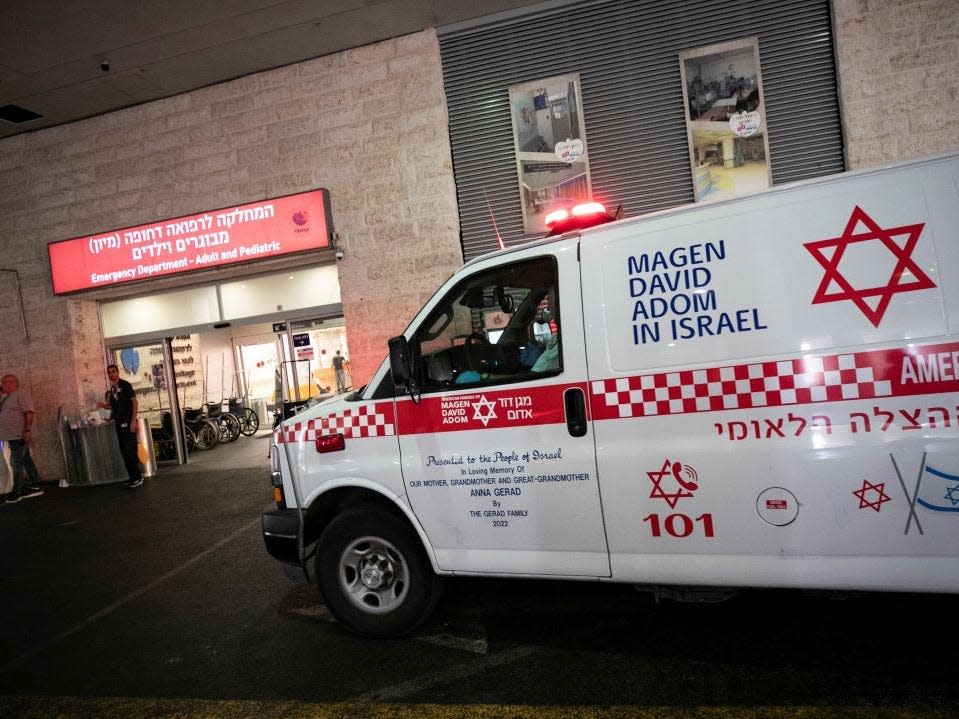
(679, 525)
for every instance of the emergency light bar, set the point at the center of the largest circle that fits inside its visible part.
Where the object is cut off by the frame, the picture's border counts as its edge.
(577, 217)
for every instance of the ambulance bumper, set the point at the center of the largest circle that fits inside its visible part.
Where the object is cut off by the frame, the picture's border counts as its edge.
(280, 531)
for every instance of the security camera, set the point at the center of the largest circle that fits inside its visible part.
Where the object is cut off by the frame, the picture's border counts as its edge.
(105, 65)
(339, 255)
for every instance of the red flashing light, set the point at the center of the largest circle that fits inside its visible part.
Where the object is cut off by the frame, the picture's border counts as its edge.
(583, 214)
(555, 217)
(588, 208)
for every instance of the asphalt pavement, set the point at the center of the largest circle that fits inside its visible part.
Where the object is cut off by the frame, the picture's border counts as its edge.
(161, 601)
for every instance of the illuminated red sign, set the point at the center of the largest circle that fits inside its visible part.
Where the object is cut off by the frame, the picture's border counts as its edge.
(282, 226)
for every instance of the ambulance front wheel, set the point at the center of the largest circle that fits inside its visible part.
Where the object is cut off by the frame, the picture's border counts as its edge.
(374, 574)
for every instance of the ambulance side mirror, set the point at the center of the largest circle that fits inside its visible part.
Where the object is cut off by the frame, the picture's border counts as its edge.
(400, 362)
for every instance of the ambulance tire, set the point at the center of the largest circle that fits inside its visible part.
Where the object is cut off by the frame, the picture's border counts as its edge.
(374, 575)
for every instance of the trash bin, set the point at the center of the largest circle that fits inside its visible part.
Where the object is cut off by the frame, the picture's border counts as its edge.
(92, 455)
(98, 454)
(145, 453)
(72, 454)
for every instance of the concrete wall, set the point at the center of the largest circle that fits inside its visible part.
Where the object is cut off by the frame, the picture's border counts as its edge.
(370, 124)
(899, 78)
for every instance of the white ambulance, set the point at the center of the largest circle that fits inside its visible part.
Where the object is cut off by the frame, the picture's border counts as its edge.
(762, 392)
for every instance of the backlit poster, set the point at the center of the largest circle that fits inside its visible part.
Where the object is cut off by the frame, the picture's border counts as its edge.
(725, 120)
(550, 146)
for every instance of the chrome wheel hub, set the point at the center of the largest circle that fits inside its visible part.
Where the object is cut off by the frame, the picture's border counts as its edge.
(374, 575)
(376, 571)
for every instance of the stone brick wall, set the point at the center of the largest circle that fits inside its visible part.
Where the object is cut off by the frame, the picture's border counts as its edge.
(899, 78)
(370, 124)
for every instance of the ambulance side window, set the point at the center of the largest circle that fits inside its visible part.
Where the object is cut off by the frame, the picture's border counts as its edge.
(496, 326)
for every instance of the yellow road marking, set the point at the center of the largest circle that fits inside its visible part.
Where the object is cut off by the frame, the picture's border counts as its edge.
(128, 708)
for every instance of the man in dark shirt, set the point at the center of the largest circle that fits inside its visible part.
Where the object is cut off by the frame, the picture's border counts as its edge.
(339, 366)
(122, 403)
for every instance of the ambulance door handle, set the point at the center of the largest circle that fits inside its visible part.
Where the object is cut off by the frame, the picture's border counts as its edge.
(575, 403)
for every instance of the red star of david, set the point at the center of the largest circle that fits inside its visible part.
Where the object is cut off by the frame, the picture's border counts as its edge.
(659, 493)
(906, 275)
(879, 490)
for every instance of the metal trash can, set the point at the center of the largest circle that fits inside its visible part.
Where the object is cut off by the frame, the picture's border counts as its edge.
(72, 453)
(98, 460)
(148, 460)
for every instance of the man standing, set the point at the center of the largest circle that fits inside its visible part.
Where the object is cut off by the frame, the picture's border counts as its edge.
(122, 403)
(16, 428)
(339, 362)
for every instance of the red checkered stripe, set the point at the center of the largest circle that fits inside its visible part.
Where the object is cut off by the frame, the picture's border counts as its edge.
(767, 384)
(368, 420)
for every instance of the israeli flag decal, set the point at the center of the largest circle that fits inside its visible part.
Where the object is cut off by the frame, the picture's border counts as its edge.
(939, 491)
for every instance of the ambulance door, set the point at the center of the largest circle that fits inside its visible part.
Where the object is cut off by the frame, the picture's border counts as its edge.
(497, 450)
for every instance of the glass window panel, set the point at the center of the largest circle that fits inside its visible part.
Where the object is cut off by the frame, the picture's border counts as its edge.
(284, 291)
(181, 308)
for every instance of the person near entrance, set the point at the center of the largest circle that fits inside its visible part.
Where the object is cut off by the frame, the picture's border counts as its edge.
(16, 428)
(122, 403)
(339, 365)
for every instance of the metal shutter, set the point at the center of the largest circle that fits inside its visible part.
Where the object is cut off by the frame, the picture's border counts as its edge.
(626, 55)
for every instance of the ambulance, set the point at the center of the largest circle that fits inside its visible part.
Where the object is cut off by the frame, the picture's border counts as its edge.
(760, 392)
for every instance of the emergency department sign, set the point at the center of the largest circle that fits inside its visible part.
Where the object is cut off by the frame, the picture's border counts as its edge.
(229, 236)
